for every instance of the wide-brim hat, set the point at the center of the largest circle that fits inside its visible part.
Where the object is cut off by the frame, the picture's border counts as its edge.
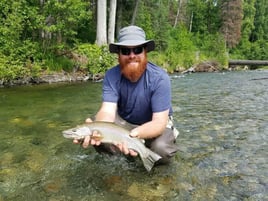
(131, 36)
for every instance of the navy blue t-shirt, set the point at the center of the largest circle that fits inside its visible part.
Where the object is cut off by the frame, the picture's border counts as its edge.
(137, 101)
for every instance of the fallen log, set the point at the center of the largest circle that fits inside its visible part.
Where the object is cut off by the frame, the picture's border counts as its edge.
(249, 62)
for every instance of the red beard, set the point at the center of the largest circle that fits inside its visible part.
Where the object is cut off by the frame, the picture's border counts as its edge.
(133, 71)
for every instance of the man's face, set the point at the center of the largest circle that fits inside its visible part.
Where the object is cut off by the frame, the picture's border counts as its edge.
(133, 61)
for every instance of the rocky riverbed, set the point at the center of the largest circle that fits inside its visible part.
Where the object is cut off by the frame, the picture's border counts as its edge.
(53, 77)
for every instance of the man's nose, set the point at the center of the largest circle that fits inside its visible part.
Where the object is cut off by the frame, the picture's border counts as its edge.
(132, 54)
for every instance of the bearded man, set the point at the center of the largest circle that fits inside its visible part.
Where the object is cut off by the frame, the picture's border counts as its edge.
(137, 94)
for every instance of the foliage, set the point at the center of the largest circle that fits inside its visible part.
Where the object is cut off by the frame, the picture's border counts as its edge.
(256, 50)
(205, 14)
(11, 69)
(185, 50)
(253, 44)
(58, 63)
(99, 58)
(17, 19)
(181, 49)
(248, 20)
(211, 47)
(62, 19)
(154, 23)
(260, 21)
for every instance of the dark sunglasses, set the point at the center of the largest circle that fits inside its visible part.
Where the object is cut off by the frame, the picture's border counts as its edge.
(135, 50)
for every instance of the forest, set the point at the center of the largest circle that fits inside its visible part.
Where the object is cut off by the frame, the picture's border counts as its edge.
(47, 36)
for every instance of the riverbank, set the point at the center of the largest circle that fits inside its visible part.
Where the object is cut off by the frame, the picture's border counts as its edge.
(53, 77)
(82, 76)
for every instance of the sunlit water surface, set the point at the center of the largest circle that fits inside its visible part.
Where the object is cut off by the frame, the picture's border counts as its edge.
(223, 124)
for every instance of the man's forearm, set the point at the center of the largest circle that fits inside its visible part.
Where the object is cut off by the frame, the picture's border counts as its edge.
(107, 112)
(149, 130)
(103, 116)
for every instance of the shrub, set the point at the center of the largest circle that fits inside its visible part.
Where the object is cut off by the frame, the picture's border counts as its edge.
(58, 63)
(99, 58)
(11, 69)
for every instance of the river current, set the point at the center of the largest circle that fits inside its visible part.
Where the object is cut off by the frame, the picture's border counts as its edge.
(223, 124)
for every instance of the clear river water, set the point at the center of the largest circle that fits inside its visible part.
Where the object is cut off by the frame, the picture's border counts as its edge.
(223, 124)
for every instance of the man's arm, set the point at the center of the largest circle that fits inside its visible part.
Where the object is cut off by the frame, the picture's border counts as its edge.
(152, 128)
(107, 112)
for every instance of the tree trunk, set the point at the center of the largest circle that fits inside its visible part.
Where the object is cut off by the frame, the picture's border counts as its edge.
(135, 12)
(232, 15)
(112, 15)
(101, 38)
(191, 22)
(178, 13)
(119, 18)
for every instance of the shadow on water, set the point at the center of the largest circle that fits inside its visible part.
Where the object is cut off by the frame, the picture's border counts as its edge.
(222, 118)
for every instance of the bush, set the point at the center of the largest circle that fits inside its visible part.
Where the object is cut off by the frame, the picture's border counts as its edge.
(212, 47)
(11, 69)
(99, 58)
(58, 63)
(180, 52)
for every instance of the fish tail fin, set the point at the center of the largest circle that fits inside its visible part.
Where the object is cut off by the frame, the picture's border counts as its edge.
(149, 161)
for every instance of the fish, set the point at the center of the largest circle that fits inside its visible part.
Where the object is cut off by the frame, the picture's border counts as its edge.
(112, 133)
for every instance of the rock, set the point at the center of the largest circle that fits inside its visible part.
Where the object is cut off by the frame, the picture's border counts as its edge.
(190, 70)
(208, 66)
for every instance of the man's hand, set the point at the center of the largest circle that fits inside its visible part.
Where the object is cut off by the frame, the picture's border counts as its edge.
(125, 150)
(134, 133)
(88, 140)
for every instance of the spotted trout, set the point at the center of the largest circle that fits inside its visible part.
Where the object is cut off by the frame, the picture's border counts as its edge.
(114, 134)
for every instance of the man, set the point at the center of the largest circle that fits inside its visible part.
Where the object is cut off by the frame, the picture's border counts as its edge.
(137, 95)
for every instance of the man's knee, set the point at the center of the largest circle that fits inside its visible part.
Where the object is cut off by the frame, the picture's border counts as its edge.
(165, 146)
(166, 151)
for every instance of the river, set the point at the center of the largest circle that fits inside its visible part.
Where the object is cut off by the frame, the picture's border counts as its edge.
(223, 124)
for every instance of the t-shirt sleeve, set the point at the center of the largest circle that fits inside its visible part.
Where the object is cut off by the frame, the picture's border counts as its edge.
(161, 97)
(110, 87)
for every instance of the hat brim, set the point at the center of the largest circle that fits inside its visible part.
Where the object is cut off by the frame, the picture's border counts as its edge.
(114, 47)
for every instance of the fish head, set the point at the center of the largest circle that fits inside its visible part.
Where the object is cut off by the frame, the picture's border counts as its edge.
(78, 132)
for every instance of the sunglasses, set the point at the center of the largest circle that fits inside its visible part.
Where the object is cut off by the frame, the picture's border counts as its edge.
(135, 50)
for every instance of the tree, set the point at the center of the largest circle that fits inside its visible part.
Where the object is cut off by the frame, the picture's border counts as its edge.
(260, 22)
(203, 16)
(18, 25)
(243, 49)
(232, 15)
(101, 38)
(178, 14)
(112, 17)
(153, 17)
(61, 20)
(135, 12)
